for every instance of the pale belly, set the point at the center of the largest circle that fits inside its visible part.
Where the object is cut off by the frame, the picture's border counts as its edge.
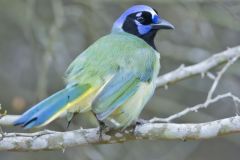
(130, 110)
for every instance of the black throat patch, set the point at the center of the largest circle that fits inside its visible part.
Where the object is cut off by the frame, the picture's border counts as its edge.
(131, 27)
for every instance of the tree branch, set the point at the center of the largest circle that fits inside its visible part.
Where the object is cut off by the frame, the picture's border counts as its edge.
(210, 99)
(50, 140)
(201, 68)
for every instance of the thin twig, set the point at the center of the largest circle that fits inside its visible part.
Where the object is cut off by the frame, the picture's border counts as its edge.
(196, 108)
(199, 68)
(219, 76)
(209, 100)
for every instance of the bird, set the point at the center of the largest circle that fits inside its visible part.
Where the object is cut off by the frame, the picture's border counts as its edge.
(113, 78)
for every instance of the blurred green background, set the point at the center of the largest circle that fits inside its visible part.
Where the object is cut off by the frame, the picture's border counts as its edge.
(39, 39)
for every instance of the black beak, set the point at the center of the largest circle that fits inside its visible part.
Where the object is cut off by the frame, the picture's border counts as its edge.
(163, 25)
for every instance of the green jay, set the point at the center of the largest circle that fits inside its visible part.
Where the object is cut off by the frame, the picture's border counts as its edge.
(113, 78)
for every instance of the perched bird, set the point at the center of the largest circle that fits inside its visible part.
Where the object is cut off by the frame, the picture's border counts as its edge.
(113, 78)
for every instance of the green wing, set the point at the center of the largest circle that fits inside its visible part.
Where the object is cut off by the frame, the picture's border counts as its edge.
(127, 58)
(116, 92)
(104, 58)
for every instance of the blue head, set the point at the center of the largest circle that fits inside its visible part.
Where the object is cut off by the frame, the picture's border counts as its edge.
(141, 21)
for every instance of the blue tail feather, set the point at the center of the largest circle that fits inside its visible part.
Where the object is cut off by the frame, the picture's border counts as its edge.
(45, 109)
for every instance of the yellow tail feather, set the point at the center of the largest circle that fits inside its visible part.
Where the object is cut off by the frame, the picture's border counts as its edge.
(80, 101)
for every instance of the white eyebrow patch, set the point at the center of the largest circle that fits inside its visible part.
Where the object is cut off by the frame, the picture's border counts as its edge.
(139, 14)
(153, 13)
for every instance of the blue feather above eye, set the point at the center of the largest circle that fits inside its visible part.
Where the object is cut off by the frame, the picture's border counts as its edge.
(156, 19)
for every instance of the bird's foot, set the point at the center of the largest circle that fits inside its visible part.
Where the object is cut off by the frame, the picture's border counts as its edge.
(70, 116)
(103, 129)
(141, 121)
(137, 123)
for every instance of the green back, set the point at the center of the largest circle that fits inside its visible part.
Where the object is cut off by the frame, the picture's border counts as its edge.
(113, 52)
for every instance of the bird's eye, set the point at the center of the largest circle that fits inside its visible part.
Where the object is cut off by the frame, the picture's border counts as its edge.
(145, 18)
(140, 19)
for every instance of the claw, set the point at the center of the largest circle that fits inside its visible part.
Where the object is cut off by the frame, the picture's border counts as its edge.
(141, 121)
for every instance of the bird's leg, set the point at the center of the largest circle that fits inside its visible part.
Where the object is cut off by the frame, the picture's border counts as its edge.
(70, 116)
(138, 122)
(141, 121)
(102, 127)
